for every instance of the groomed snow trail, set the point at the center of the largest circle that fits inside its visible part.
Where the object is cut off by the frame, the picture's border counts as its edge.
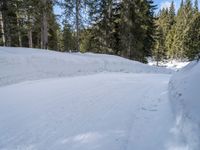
(106, 111)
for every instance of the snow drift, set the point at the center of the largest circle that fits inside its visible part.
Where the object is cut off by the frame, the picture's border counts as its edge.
(22, 64)
(184, 94)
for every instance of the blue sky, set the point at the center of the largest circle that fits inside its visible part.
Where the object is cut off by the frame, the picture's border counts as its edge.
(160, 3)
(166, 3)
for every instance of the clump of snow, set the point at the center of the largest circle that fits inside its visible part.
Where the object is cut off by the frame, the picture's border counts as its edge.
(22, 64)
(170, 64)
(184, 94)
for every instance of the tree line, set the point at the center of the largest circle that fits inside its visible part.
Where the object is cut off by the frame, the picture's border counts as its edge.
(178, 33)
(128, 28)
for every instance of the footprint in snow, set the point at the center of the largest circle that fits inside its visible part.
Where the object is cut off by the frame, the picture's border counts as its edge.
(147, 109)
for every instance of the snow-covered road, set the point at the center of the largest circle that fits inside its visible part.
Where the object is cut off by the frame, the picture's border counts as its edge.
(106, 111)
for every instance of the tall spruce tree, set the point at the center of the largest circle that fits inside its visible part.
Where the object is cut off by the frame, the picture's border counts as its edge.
(196, 7)
(68, 38)
(191, 40)
(137, 21)
(105, 17)
(74, 14)
(159, 45)
(172, 14)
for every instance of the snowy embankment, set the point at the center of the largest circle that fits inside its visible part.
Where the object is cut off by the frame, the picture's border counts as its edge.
(22, 64)
(110, 103)
(184, 94)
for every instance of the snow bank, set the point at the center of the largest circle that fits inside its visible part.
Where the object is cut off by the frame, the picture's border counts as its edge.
(184, 94)
(21, 64)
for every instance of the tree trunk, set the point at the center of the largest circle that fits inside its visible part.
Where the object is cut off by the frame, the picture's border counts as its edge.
(6, 24)
(44, 28)
(41, 38)
(2, 29)
(19, 32)
(30, 40)
(77, 25)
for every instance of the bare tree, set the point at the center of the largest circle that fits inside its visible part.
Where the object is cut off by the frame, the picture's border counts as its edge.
(2, 28)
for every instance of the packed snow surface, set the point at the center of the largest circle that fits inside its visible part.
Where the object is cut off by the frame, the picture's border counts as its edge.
(95, 112)
(58, 101)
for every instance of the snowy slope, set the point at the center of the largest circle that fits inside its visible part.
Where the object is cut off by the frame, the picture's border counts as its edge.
(22, 64)
(106, 111)
(185, 100)
(101, 102)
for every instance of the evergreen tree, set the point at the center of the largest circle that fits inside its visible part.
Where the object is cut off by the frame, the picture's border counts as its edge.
(172, 14)
(196, 7)
(105, 16)
(137, 21)
(68, 39)
(74, 12)
(184, 16)
(170, 43)
(159, 49)
(164, 23)
(9, 18)
(191, 40)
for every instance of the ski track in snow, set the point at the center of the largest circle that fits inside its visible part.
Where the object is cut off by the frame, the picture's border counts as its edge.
(105, 111)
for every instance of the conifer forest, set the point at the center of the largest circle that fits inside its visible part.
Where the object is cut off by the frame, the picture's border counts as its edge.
(133, 29)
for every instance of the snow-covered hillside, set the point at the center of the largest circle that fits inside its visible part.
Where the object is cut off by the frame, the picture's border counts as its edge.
(185, 99)
(22, 64)
(58, 101)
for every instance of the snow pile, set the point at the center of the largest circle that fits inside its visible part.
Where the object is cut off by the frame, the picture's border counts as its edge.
(22, 64)
(184, 94)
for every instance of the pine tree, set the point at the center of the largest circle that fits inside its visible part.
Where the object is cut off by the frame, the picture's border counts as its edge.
(53, 32)
(172, 14)
(170, 43)
(68, 39)
(159, 49)
(74, 12)
(105, 17)
(137, 24)
(196, 7)
(184, 16)
(9, 18)
(164, 23)
(191, 40)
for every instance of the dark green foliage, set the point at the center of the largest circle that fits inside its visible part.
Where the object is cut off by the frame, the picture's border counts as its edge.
(192, 38)
(159, 45)
(8, 9)
(126, 28)
(123, 28)
(196, 8)
(180, 31)
(68, 39)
